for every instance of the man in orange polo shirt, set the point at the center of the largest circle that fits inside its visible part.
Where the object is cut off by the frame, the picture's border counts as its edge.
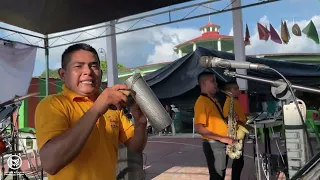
(232, 87)
(79, 130)
(212, 127)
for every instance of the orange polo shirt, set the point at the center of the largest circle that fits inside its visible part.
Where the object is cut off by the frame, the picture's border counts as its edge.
(206, 113)
(57, 113)
(237, 108)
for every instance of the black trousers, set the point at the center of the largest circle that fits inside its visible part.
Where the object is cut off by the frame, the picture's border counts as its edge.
(217, 160)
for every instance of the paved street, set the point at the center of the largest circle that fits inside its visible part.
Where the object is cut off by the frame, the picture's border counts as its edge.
(182, 158)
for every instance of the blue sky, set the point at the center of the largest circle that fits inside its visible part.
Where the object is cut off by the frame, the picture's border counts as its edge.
(156, 45)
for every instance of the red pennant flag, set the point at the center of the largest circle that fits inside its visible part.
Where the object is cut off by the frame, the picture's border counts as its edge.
(247, 36)
(274, 35)
(263, 32)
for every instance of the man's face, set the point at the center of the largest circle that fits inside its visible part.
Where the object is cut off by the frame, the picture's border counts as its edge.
(210, 84)
(234, 89)
(82, 74)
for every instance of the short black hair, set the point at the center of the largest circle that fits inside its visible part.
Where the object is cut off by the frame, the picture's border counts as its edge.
(76, 47)
(230, 82)
(204, 74)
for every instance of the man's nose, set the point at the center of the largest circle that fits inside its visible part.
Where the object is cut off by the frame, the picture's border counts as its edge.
(86, 69)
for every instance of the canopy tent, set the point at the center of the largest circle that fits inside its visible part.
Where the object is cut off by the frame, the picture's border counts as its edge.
(52, 16)
(180, 77)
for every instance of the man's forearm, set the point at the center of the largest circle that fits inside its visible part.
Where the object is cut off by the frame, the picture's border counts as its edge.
(138, 141)
(206, 133)
(68, 145)
(211, 135)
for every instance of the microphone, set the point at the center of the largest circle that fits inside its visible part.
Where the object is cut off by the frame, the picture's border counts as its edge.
(210, 61)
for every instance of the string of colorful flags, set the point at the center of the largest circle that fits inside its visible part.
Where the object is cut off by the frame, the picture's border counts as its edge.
(264, 34)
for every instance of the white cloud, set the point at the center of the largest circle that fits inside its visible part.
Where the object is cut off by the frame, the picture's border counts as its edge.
(264, 21)
(142, 47)
(162, 53)
(301, 44)
(166, 39)
(231, 32)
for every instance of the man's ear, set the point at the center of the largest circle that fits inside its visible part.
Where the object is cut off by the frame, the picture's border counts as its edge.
(62, 72)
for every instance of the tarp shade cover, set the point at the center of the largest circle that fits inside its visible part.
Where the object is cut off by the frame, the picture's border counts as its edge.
(52, 16)
(179, 77)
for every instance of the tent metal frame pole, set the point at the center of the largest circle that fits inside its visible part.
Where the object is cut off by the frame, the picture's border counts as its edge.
(46, 48)
(139, 18)
(111, 55)
(169, 22)
(19, 32)
(239, 47)
(118, 22)
(30, 45)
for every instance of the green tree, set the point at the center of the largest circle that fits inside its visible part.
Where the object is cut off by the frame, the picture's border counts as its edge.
(104, 66)
(53, 73)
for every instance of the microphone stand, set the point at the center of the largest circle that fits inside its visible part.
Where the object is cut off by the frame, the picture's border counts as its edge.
(280, 90)
(273, 83)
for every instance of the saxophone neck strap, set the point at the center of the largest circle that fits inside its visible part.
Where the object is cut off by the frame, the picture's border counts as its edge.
(217, 106)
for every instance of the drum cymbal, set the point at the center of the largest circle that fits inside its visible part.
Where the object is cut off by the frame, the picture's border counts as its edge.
(18, 98)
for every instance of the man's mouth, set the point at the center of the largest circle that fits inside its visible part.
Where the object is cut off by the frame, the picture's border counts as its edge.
(87, 82)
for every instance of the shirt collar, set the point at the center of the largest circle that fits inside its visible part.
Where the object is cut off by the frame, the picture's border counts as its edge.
(72, 95)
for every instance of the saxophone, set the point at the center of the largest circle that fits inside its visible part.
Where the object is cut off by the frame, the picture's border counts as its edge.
(235, 131)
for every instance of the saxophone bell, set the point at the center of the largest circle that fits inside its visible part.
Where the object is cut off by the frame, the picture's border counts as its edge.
(241, 132)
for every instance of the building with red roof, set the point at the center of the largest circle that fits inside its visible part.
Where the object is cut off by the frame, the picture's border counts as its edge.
(210, 38)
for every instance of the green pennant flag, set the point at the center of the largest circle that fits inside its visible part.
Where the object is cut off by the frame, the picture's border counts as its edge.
(311, 32)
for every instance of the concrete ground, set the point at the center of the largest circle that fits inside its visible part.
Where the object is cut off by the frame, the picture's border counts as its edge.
(181, 158)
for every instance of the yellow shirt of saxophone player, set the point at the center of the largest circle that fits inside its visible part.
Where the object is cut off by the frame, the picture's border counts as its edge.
(206, 112)
(241, 116)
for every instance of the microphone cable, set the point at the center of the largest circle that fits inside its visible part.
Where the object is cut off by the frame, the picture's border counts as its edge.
(298, 108)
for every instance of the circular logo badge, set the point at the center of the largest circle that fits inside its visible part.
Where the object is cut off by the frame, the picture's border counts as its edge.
(14, 162)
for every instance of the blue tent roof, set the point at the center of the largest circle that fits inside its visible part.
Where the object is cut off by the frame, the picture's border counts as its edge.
(180, 76)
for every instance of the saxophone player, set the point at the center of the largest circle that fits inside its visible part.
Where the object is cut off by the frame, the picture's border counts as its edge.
(233, 88)
(209, 122)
